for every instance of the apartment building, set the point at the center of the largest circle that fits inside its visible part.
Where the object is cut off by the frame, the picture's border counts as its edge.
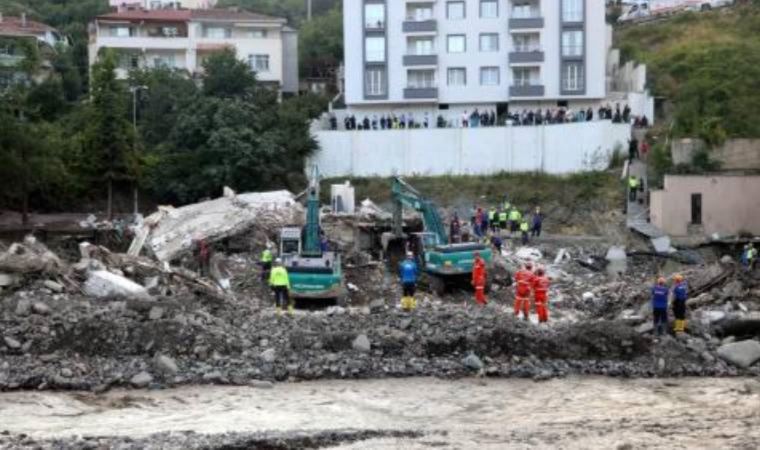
(14, 30)
(465, 54)
(183, 39)
(162, 4)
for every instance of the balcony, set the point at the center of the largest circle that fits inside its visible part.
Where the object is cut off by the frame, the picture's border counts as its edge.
(521, 56)
(526, 23)
(374, 25)
(527, 90)
(422, 26)
(421, 93)
(420, 60)
(11, 60)
(141, 43)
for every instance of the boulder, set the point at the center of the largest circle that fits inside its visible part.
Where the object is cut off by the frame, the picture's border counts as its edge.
(156, 313)
(471, 361)
(141, 380)
(12, 343)
(102, 284)
(742, 354)
(362, 344)
(165, 365)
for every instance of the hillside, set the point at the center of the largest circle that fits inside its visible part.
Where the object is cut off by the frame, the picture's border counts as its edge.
(708, 65)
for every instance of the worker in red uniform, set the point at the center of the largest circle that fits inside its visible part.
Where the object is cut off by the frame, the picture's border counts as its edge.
(479, 277)
(523, 287)
(541, 294)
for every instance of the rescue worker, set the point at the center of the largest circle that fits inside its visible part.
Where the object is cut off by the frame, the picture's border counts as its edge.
(497, 243)
(541, 294)
(409, 273)
(479, 278)
(538, 222)
(266, 263)
(514, 220)
(280, 284)
(493, 220)
(525, 230)
(503, 219)
(660, 306)
(680, 295)
(203, 256)
(633, 187)
(751, 257)
(523, 287)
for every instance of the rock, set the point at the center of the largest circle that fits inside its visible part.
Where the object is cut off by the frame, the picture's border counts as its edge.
(645, 328)
(707, 357)
(742, 354)
(661, 364)
(8, 279)
(12, 343)
(362, 344)
(165, 365)
(261, 384)
(156, 313)
(23, 307)
(151, 283)
(588, 296)
(141, 380)
(53, 285)
(471, 361)
(102, 284)
(66, 373)
(734, 289)
(268, 355)
(213, 377)
(377, 306)
(41, 308)
(726, 259)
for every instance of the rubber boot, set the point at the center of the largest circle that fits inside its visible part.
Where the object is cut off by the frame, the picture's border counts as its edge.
(291, 310)
(412, 304)
(279, 310)
(677, 327)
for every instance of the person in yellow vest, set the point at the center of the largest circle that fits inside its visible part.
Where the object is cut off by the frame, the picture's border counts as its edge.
(514, 220)
(503, 219)
(280, 284)
(633, 187)
(493, 219)
(525, 231)
(266, 263)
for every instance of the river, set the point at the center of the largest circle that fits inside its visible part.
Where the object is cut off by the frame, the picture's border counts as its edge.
(588, 412)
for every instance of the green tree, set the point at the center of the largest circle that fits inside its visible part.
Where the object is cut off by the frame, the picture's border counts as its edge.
(226, 76)
(110, 133)
(321, 45)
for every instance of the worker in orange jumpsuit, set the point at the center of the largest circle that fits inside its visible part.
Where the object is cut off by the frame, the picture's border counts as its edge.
(541, 294)
(479, 277)
(523, 287)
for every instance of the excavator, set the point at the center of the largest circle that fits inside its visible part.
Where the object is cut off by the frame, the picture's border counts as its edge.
(446, 264)
(314, 273)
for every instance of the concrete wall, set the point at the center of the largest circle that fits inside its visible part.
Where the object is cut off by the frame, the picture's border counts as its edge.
(556, 149)
(727, 208)
(734, 154)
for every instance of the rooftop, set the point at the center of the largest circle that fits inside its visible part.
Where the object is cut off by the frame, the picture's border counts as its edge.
(176, 15)
(15, 26)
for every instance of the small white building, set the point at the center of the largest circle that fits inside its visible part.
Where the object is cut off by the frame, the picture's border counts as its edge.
(183, 39)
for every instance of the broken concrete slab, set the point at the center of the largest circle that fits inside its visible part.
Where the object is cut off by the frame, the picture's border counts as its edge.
(742, 354)
(30, 257)
(102, 284)
(8, 279)
(662, 245)
(173, 230)
(53, 285)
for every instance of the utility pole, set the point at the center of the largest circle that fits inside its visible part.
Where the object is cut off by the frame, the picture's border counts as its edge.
(135, 193)
(308, 10)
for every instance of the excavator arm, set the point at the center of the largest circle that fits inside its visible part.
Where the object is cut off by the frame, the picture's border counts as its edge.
(405, 195)
(311, 238)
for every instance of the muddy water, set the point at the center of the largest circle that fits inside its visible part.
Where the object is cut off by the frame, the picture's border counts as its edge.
(474, 413)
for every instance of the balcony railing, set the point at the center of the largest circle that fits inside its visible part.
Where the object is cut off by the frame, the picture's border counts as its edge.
(420, 60)
(526, 90)
(423, 26)
(374, 25)
(11, 60)
(420, 93)
(525, 55)
(526, 18)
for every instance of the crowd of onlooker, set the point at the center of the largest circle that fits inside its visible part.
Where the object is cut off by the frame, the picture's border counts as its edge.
(489, 118)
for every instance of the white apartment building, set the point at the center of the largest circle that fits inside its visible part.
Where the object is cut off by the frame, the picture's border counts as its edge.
(463, 54)
(162, 4)
(183, 39)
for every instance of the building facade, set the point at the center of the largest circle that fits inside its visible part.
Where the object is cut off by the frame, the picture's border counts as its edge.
(460, 54)
(16, 35)
(183, 39)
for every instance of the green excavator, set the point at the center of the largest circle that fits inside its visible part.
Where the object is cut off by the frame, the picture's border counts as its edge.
(314, 273)
(446, 264)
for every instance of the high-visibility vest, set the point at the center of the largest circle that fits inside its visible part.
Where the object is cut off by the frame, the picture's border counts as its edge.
(524, 226)
(491, 215)
(541, 288)
(266, 256)
(515, 215)
(279, 277)
(633, 183)
(503, 217)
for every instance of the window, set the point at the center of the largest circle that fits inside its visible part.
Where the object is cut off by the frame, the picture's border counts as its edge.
(374, 49)
(489, 76)
(374, 82)
(525, 11)
(130, 61)
(455, 10)
(420, 46)
(166, 61)
(572, 77)
(7, 49)
(259, 63)
(257, 34)
(120, 32)
(489, 9)
(418, 13)
(457, 76)
(456, 43)
(374, 15)
(572, 43)
(696, 209)
(420, 79)
(489, 42)
(526, 42)
(572, 10)
(217, 33)
(525, 76)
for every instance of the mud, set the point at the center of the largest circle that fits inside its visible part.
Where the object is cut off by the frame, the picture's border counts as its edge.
(415, 413)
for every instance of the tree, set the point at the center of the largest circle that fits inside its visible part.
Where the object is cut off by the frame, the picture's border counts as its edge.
(110, 133)
(226, 76)
(321, 45)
